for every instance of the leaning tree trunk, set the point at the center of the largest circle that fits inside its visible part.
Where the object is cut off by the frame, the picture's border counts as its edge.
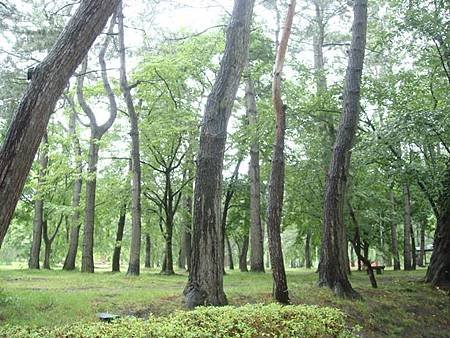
(407, 248)
(438, 273)
(69, 262)
(135, 247)
(205, 284)
(119, 236)
(394, 238)
(243, 255)
(256, 231)
(38, 221)
(47, 84)
(331, 271)
(276, 181)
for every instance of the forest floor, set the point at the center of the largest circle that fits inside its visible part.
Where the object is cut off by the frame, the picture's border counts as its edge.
(402, 306)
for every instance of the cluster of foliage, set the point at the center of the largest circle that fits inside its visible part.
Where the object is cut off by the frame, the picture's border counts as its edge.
(271, 320)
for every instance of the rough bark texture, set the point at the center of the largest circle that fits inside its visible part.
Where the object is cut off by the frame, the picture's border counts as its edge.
(407, 248)
(75, 224)
(135, 246)
(97, 132)
(38, 220)
(276, 180)
(256, 230)
(331, 271)
(394, 237)
(47, 84)
(119, 236)
(243, 255)
(438, 273)
(205, 284)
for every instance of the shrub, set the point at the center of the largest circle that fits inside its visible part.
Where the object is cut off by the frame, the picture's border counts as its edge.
(271, 320)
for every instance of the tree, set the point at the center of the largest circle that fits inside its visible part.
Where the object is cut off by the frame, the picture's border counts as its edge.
(47, 84)
(75, 224)
(256, 230)
(276, 182)
(38, 221)
(135, 249)
(97, 132)
(205, 284)
(333, 269)
(438, 273)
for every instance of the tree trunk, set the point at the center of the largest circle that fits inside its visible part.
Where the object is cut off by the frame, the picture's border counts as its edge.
(187, 232)
(256, 231)
(205, 284)
(243, 255)
(421, 258)
(308, 261)
(97, 132)
(168, 255)
(230, 253)
(38, 221)
(407, 255)
(438, 273)
(119, 236)
(69, 262)
(48, 241)
(87, 259)
(413, 248)
(148, 251)
(276, 181)
(135, 247)
(47, 84)
(331, 271)
(394, 240)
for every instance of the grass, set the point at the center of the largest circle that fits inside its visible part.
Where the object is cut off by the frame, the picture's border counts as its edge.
(401, 306)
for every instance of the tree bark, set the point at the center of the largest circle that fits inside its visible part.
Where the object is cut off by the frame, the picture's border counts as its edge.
(276, 181)
(135, 247)
(47, 84)
(308, 261)
(230, 253)
(394, 239)
(438, 273)
(48, 241)
(407, 249)
(119, 236)
(421, 258)
(148, 251)
(243, 255)
(187, 231)
(38, 221)
(205, 284)
(97, 132)
(256, 231)
(69, 262)
(331, 271)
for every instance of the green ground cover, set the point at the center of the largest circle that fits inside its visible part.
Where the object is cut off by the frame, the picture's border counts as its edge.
(401, 306)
